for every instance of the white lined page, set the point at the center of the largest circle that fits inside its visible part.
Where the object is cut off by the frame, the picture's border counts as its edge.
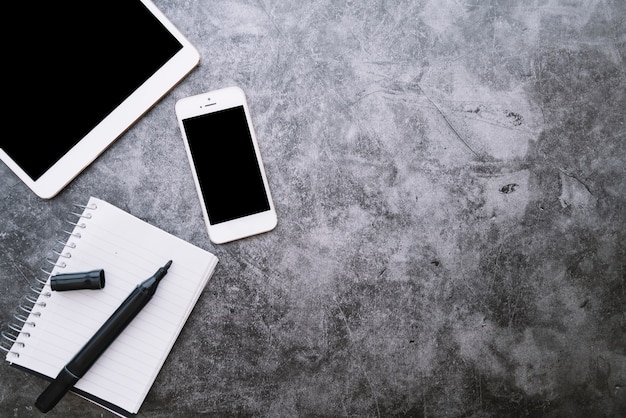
(129, 250)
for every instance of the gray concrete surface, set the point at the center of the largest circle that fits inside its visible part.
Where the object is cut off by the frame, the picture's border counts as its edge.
(451, 190)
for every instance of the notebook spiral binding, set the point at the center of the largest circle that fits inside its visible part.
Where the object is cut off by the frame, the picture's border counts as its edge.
(32, 304)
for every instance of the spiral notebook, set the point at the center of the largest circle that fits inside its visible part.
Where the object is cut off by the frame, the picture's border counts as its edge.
(49, 327)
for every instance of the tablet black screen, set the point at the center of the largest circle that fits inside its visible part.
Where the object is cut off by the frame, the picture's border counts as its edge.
(70, 64)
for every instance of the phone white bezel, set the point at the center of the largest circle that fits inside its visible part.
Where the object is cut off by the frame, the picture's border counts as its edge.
(117, 122)
(210, 102)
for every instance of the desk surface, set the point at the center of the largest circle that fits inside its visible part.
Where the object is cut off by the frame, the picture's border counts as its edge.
(450, 185)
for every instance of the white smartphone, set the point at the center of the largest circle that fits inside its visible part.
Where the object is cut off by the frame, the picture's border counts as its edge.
(226, 164)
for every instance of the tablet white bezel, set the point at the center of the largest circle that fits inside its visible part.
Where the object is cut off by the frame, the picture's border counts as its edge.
(117, 122)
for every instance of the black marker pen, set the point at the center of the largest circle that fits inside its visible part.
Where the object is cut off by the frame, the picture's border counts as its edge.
(87, 356)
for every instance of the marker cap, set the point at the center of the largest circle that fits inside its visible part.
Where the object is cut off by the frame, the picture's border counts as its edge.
(73, 281)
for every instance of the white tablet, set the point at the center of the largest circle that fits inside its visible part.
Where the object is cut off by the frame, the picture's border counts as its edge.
(78, 75)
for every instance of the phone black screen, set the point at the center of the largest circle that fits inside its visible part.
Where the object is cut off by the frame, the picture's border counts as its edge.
(226, 164)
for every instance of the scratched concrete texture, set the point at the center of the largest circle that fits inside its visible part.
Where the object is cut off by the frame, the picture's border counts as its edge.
(450, 181)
